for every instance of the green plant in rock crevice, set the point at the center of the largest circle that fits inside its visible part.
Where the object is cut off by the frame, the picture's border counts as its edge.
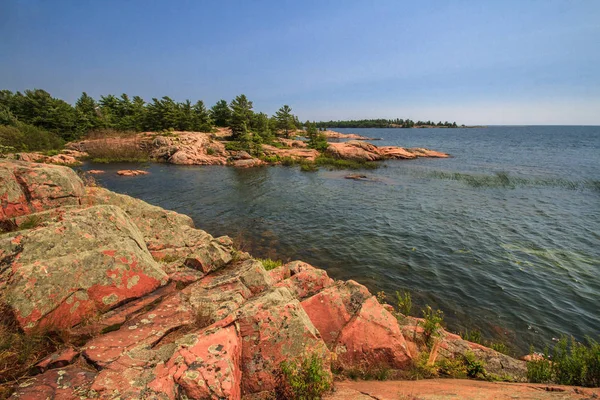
(432, 323)
(307, 379)
(269, 264)
(404, 302)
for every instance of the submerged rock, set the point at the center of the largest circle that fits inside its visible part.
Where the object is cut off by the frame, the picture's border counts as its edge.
(132, 172)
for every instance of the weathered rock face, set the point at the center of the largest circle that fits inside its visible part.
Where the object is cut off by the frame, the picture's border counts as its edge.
(83, 263)
(66, 157)
(189, 148)
(167, 234)
(296, 152)
(172, 312)
(354, 150)
(362, 151)
(26, 188)
(357, 328)
(338, 135)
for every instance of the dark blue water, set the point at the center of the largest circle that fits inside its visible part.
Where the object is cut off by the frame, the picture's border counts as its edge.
(504, 237)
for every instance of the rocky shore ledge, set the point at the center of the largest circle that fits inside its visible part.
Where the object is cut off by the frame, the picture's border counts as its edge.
(198, 148)
(157, 309)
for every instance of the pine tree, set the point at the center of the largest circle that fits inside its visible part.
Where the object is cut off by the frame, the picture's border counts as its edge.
(241, 116)
(316, 139)
(285, 120)
(201, 118)
(220, 113)
(261, 126)
(87, 116)
(185, 116)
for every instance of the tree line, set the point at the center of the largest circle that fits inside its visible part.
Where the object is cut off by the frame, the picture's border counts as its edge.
(384, 123)
(34, 120)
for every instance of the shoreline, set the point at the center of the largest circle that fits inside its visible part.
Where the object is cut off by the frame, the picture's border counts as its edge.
(198, 148)
(179, 267)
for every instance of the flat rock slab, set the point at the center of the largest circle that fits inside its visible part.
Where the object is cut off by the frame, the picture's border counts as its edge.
(439, 389)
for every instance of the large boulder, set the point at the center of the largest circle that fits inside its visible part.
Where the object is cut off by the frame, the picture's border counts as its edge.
(27, 188)
(168, 234)
(189, 148)
(302, 279)
(274, 328)
(69, 269)
(354, 150)
(361, 332)
(206, 366)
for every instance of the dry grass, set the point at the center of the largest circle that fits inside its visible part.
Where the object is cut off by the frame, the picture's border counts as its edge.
(20, 352)
(113, 146)
(109, 133)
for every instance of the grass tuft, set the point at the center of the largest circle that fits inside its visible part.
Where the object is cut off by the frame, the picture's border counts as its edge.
(269, 264)
(307, 379)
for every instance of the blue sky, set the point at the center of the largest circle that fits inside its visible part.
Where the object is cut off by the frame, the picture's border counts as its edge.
(475, 62)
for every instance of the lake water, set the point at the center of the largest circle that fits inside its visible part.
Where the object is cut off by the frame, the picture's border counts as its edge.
(504, 237)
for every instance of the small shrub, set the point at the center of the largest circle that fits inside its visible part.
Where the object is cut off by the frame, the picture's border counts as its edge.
(306, 380)
(473, 336)
(51, 153)
(269, 264)
(210, 151)
(475, 368)
(353, 373)
(453, 368)
(539, 369)
(500, 348)
(4, 150)
(404, 302)
(571, 363)
(381, 296)
(234, 146)
(272, 158)
(308, 167)
(288, 161)
(420, 368)
(432, 325)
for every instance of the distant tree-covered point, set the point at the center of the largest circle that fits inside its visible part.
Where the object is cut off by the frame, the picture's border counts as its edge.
(386, 123)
